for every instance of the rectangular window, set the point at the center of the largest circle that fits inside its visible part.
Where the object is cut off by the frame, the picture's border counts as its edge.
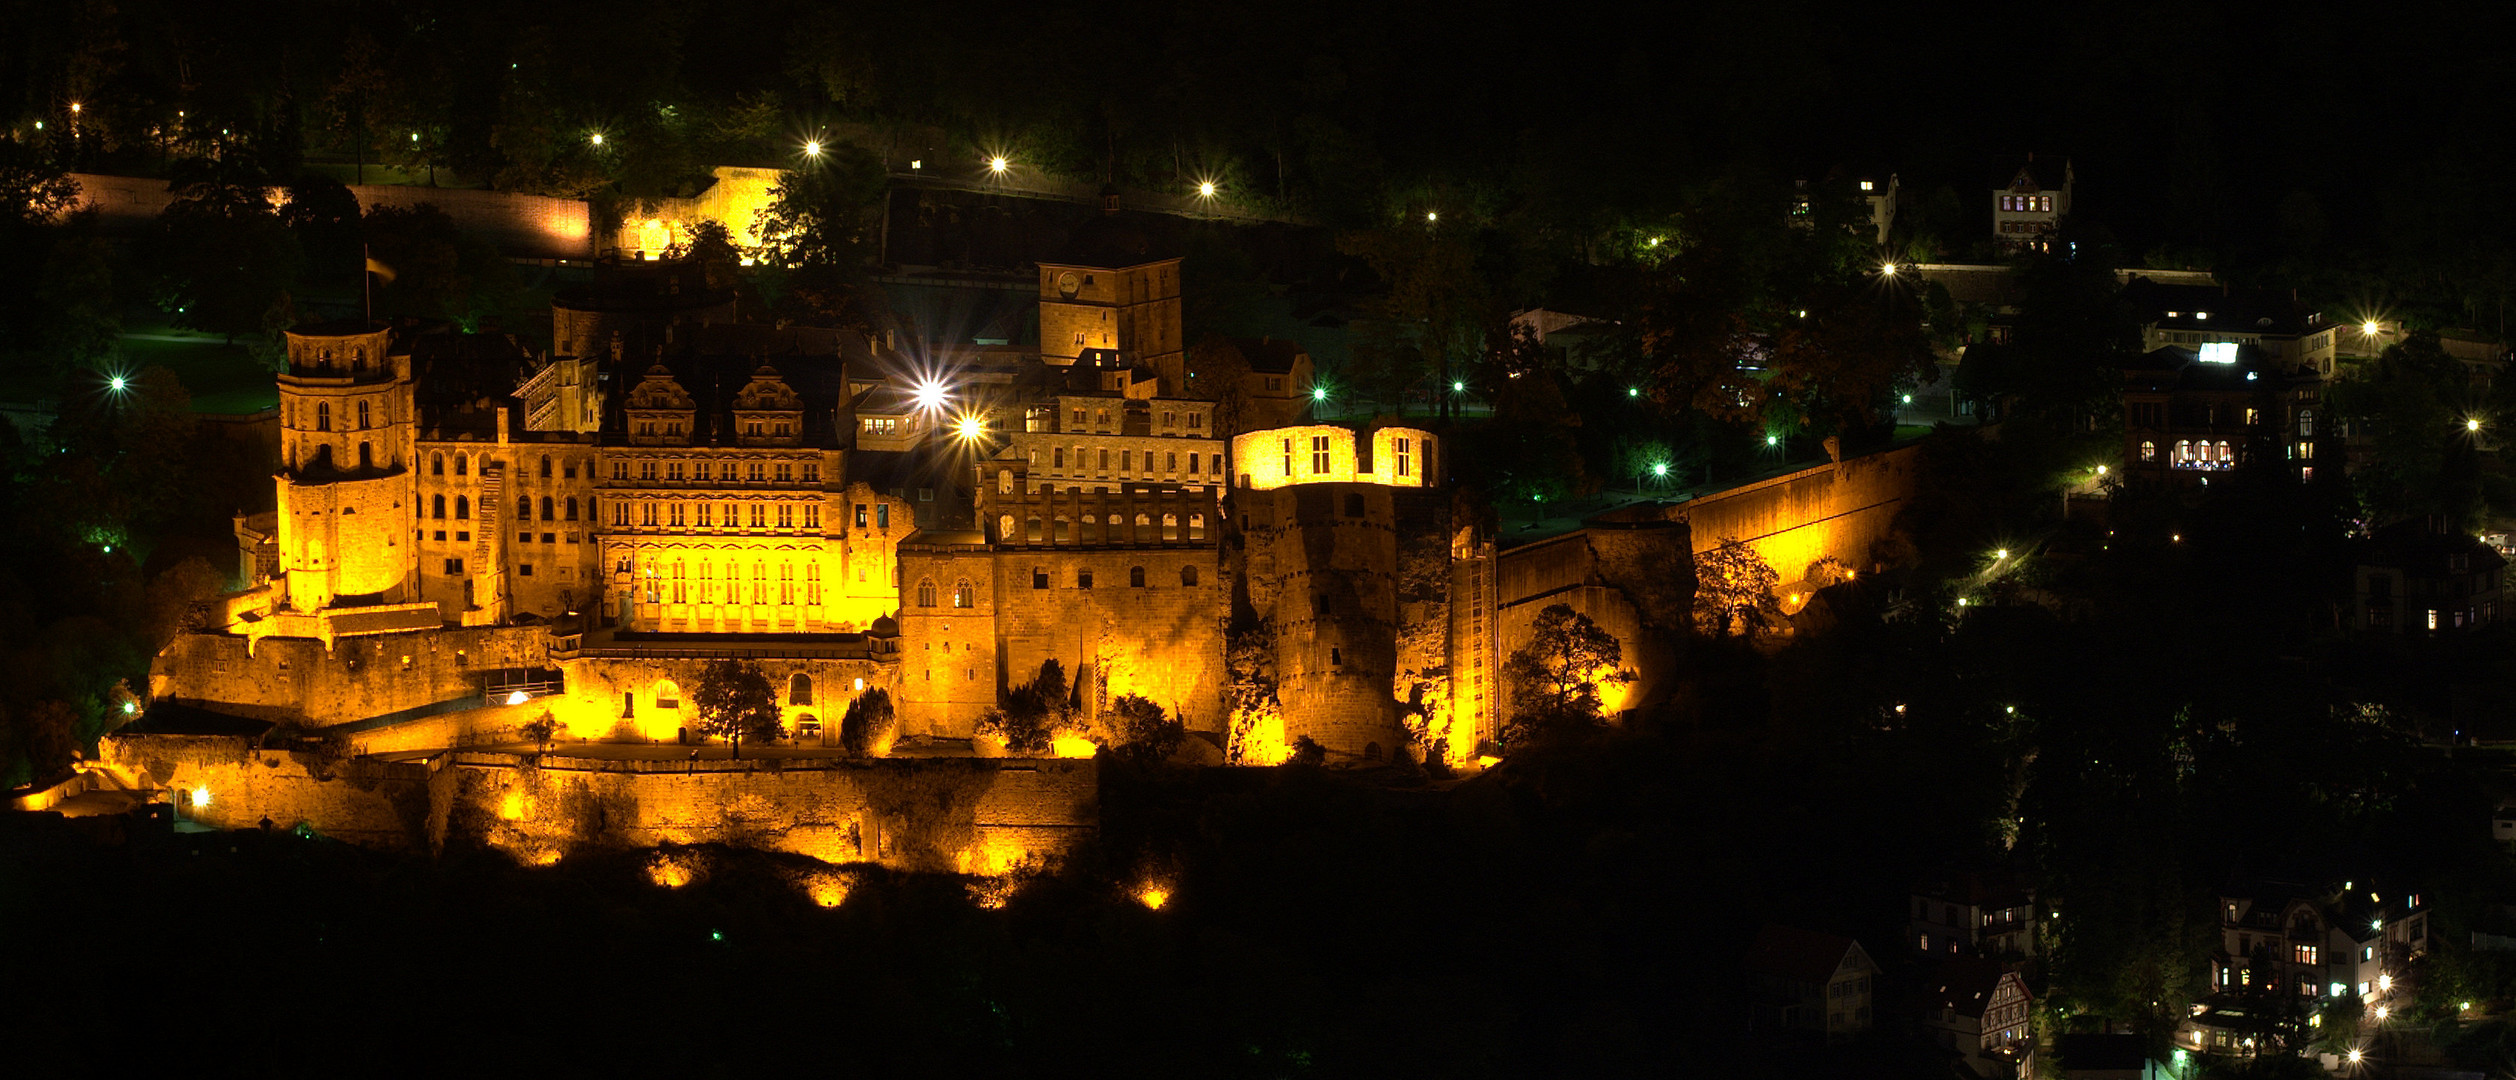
(676, 515)
(882, 516)
(1288, 459)
(786, 473)
(646, 470)
(812, 515)
(454, 566)
(860, 515)
(786, 516)
(759, 472)
(1318, 455)
(812, 472)
(759, 515)
(2302, 954)
(706, 512)
(1404, 458)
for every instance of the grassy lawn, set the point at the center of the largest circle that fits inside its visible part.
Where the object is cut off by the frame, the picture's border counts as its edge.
(222, 378)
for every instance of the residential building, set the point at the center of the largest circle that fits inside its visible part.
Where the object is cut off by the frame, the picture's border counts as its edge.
(2317, 941)
(2416, 577)
(1811, 982)
(2188, 416)
(1876, 196)
(1975, 1009)
(1989, 914)
(2027, 213)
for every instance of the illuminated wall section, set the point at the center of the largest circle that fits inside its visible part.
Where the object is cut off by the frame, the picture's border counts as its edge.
(1306, 454)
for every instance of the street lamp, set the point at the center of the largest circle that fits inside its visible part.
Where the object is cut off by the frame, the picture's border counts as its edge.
(969, 427)
(118, 384)
(997, 165)
(929, 394)
(1887, 269)
(596, 138)
(1431, 217)
(1205, 189)
(2473, 425)
(812, 148)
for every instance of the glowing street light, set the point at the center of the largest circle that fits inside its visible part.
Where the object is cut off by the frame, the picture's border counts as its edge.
(597, 138)
(969, 427)
(1458, 386)
(118, 384)
(2473, 424)
(75, 108)
(1431, 217)
(1660, 470)
(2356, 1055)
(200, 797)
(929, 394)
(2371, 328)
(1205, 189)
(2101, 470)
(1773, 440)
(1887, 269)
(997, 165)
(1319, 393)
(1633, 391)
(812, 148)
(2000, 553)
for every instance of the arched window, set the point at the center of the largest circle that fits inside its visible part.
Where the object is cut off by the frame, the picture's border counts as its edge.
(323, 416)
(437, 507)
(1004, 481)
(1065, 529)
(436, 464)
(1170, 526)
(2306, 423)
(680, 593)
(2148, 450)
(2183, 451)
(962, 595)
(799, 689)
(546, 514)
(572, 508)
(366, 456)
(667, 695)
(362, 416)
(546, 466)
(524, 508)
(1143, 521)
(1196, 526)
(1031, 530)
(1004, 528)
(925, 593)
(2225, 455)
(461, 464)
(1135, 577)
(1188, 575)
(462, 508)
(1371, 751)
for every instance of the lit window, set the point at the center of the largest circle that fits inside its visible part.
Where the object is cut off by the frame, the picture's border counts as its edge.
(1318, 454)
(2148, 450)
(962, 595)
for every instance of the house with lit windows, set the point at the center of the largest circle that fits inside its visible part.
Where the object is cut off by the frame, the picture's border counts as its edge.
(2189, 416)
(1982, 914)
(2028, 212)
(1978, 1010)
(1809, 983)
(2417, 577)
(2354, 941)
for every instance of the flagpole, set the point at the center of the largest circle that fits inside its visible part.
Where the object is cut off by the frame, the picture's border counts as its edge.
(367, 280)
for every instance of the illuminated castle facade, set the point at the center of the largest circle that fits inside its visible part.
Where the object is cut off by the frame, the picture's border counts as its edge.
(459, 521)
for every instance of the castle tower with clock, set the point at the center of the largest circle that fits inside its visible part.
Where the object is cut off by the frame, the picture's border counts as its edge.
(1108, 299)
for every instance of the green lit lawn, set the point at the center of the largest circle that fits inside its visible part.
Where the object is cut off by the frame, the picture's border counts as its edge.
(221, 378)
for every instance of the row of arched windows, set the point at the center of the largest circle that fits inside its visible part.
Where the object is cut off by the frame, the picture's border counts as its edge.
(963, 594)
(674, 582)
(2193, 453)
(1114, 530)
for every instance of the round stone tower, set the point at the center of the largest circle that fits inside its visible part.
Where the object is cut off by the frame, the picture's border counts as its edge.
(345, 495)
(1337, 618)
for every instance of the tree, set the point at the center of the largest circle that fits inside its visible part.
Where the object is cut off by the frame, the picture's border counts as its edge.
(734, 699)
(2412, 406)
(1218, 372)
(1141, 730)
(34, 189)
(1734, 587)
(225, 261)
(1840, 366)
(868, 723)
(814, 241)
(1033, 713)
(1556, 677)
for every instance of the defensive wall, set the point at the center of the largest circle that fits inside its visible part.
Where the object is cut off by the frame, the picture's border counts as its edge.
(1635, 579)
(1795, 521)
(966, 815)
(516, 224)
(303, 681)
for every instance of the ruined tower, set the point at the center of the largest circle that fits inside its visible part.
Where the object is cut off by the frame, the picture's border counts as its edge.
(346, 441)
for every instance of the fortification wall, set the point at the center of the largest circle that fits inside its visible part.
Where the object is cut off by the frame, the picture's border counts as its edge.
(1794, 521)
(224, 782)
(1326, 556)
(973, 815)
(1162, 640)
(948, 657)
(517, 224)
(298, 681)
(621, 697)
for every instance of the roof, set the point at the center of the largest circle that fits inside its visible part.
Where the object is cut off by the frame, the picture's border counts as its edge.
(2047, 173)
(2423, 550)
(1801, 955)
(1271, 355)
(2248, 311)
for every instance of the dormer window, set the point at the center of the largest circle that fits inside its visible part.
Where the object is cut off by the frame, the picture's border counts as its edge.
(1868, 186)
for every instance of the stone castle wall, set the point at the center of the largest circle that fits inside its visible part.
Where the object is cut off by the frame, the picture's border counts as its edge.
(514, 223)
(622, 697)
(299, 681)
(1840, 511)
(1162, 640)
(972, 815)
(1321, 565)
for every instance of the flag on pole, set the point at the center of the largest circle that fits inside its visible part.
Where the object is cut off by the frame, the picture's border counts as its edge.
(380, 270)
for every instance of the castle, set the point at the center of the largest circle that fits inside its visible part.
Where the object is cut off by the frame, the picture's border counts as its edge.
(466, 533)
